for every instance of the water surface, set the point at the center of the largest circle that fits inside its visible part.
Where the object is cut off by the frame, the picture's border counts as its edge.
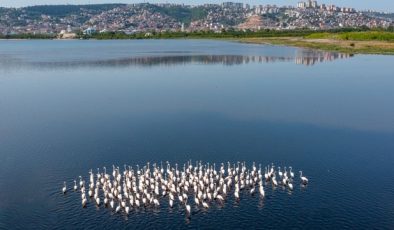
(68, 106)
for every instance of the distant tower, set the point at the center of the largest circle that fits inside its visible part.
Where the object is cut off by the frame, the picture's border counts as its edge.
(183, 27)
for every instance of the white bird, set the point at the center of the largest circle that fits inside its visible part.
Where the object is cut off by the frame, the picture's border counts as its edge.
(284, 180)
(80, 182)
(304, 180)
(64, 190)
(290, 185)
(205, 204)
(274, 181)
(75, 185)
(236, 194)
(156, 202)
(197, 201)
(188, 209)
(84, 202)
(291, 172)
(261, 190)
(266, 176)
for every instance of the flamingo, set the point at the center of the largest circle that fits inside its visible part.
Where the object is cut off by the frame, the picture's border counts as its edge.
(291, 172)
(280, 172)
(261, 189)
(64, 190)
(304, 180)
(187, 209)
(131, 188)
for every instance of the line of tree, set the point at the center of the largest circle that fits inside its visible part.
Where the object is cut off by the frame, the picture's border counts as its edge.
(28, 36)
(229, 33)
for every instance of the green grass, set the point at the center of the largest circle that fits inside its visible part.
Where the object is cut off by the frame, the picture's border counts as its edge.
(355, 36)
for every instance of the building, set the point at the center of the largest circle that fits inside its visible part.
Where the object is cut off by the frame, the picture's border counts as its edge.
(89, 31)
(232, 5)
(301, 5)
(308, 4)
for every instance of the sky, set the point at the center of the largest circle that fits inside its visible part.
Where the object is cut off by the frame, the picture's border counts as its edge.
(381, 5)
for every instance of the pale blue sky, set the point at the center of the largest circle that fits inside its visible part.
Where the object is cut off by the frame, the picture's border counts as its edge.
(383, 5)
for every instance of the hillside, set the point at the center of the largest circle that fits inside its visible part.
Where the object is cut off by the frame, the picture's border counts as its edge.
(145, 17)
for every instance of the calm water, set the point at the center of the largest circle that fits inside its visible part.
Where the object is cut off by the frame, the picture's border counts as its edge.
(68, 106)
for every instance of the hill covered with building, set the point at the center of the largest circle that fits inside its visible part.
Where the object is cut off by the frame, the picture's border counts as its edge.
(145, 17)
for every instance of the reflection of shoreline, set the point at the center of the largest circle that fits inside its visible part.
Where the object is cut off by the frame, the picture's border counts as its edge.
(311, 57)
(303, 57)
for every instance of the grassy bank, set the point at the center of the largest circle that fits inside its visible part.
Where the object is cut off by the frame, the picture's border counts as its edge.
(355, 36)
(371, 42)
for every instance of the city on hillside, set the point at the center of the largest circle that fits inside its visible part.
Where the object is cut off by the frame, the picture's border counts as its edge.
(68, 20)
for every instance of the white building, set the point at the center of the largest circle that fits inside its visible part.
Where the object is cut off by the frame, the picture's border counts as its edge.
(89, 31)
(308, 4)
(301, 5)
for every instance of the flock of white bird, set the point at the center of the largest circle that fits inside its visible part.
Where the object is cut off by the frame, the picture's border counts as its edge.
(203, 183)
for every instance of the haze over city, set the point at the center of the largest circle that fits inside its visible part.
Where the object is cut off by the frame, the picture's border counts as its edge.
(383, 5)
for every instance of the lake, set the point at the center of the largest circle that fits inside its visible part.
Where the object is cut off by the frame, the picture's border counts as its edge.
(70, 106)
